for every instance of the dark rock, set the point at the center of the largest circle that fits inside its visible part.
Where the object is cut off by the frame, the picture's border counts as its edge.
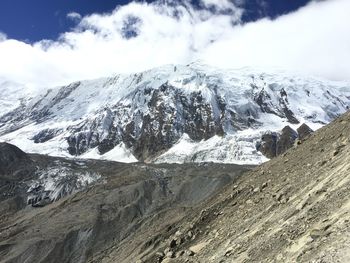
(81, 141)
(286, 140)
(172, 243)
(228, 251)
(268, 145)
(304, 131)
(264, 100)
(12, 159)
(46, 135)
(274, 144)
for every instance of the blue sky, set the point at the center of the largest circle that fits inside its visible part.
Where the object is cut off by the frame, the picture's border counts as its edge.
(45, 19)
(45, 43)
(35, 20)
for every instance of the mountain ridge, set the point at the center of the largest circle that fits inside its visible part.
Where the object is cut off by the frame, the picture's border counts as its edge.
(141, 117)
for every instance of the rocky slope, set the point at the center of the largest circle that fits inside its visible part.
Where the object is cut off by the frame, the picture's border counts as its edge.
(39, 180)
(294, 208)
(63, 210)
(190, 113)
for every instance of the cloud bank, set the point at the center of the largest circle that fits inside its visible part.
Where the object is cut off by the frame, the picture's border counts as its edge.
(314, 40)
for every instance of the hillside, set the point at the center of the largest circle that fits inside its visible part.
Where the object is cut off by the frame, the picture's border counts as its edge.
(294, 208)
(63, 210)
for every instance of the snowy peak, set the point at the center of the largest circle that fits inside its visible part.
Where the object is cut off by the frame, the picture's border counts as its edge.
(220, 115)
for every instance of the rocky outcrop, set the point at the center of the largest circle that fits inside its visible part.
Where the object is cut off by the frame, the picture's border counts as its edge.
(304, 131)
(266, 104)
(13, 161)
(273, 144)
(160, 128)
(268, 145)
(286, 140)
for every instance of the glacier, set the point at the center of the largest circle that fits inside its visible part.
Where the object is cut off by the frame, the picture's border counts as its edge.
(173, 113)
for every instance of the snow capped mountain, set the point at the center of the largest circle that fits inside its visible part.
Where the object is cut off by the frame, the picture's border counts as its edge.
(190, 113)
(10, 98)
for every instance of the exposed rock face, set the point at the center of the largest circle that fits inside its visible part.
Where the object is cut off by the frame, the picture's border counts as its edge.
(304, 131)
(13, 160)
(265, 101)
(16, 167)
(170, 113)
(286, 140)
(268, 145)
(273, 144)
(46, 135)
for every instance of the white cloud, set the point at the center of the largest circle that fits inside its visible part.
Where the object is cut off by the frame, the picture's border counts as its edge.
(138, 36)
(74, 16)
(219, 4)
(3, 36)
(314, 40)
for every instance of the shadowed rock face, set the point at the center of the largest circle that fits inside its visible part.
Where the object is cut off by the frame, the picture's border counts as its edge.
(76, 210)
(304, 131)
(264, 100)
(162, 126)
(15, 168)
(13, 160)
(171, 113)
(286, 140)
(268, 145)
(274, 144)
(46, 135)
(27, 179)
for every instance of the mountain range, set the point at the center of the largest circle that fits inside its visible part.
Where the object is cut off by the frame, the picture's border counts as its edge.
(293, 208)
(173, 114)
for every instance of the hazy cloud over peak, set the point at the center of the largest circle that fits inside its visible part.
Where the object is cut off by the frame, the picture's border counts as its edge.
(2, 36)
(138, 36)
(74, 16)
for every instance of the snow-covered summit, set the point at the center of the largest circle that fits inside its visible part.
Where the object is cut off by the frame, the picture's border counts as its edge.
(172, 113)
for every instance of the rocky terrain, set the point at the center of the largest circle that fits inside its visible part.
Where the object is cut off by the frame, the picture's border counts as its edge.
(294, 208)
(175, 198)
(62, 210)
(171, 114)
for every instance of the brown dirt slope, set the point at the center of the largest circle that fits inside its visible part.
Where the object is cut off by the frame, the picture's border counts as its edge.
(295, 208)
